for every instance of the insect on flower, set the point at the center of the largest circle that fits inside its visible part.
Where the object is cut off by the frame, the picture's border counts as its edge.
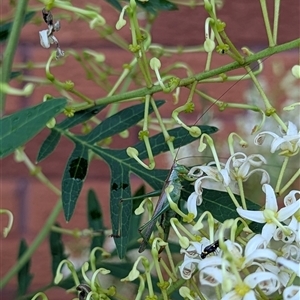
(209, 249)
(162, 209)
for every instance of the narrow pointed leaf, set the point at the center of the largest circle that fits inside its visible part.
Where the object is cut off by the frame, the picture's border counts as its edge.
(53, 138)
(15, 74)
(6, 28)
(24, 276)
(80, 117)
(48, 145)
(95, 219)
(20, 127)
(153, 6)
(56, 250)
(118, 122)
(73, 178)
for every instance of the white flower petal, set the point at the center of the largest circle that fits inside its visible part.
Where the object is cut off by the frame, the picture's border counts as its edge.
(294, 266)
(292, 129)
(268, 231)
(254, 279)
(257, 242)
(253, 215)
(291, 293)
(260, 255)
(291, 252)
(211, 261)
(271, 201)
(282, 143)
(211, 276)
(244, 169)
(290, 197)
(288, 211)
(233, 296)
(234, 248)
(226, 177)
(256, 160)
(192, 203)
(187, 268)
(250, 296)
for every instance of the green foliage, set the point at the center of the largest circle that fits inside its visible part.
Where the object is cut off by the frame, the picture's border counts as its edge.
(153, 6)
(52, 140)
(56, 249)
(24, 275)
(18, 128)
(95, 219)
(5, 28)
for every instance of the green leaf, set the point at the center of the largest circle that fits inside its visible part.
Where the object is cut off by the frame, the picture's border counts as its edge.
(18, 128)
(5, 28)
(24, 276)
(221, 206)
(95, 219)
(53, 138)
(153, 6)
(115, 3)
(77, 165)
(56, 249)
(118, 122)
(15, 74)
(73, 178)
(49, 145)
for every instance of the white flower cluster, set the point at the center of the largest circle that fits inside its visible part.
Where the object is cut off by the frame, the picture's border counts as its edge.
(254, 265)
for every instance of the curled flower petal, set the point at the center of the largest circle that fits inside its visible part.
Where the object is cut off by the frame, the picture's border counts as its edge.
(211, 276)
(254, 279)
(271, 201)
(257, 242)
(294, 266)
(192, 203)
(291, 197)
(187, 268)
(291, 293)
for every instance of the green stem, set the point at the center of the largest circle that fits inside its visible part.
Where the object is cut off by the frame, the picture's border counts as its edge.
(280, 176)
(11, 47)
(276, 18)
(290, 182)
(267, 22)
(204, 75)
(35, 244)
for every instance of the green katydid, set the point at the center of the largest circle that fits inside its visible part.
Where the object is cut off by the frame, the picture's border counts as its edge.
(162, 209)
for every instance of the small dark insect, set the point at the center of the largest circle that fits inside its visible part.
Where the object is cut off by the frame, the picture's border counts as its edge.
(83, 290)
(209, 249)
(47, 16)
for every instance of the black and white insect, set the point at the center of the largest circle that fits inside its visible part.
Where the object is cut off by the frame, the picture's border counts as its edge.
(209, 249)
